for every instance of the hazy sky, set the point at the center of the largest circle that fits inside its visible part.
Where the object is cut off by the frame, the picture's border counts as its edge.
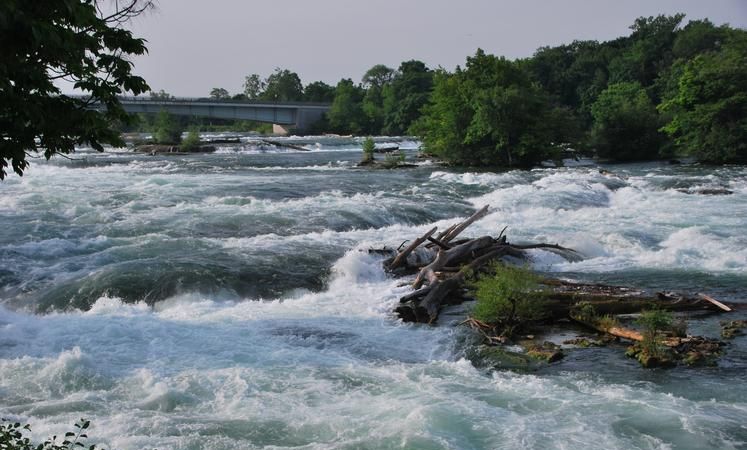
(197, 45)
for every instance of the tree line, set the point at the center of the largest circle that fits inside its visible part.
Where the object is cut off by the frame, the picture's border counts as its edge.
(668, 89)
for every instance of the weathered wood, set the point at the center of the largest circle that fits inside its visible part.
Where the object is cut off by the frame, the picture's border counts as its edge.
(567, 253)
(285, 145)
(561, 304)
(462, 226)
(443, 234)
(415, 294)
(439, 243)
(452, 257)
(440, 292)
(402, 256)
(429, 272)
(715, 302)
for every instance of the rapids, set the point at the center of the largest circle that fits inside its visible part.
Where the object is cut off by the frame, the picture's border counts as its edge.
(223, 301)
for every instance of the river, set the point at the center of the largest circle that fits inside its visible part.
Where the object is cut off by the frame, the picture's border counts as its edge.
(227, 301)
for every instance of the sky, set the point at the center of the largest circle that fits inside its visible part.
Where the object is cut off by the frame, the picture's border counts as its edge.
(195, 46)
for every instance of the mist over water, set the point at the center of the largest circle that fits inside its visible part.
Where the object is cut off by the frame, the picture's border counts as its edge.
(227, 301)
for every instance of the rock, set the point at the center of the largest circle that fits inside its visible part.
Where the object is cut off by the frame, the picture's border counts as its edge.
(584, 342)
(732, 328)
(707, 191)
(497, 357)
(663, 359)
(165, 149)
(547, 352)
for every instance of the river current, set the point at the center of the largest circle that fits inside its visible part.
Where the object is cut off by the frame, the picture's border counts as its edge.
(228, 301)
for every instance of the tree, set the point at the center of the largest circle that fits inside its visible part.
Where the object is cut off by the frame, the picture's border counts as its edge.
(160, 95)
(626, 124)
(74, 40)
(650, 50)
(405, 96)
(219, 94)
(346, 115)
(254, 86)
(374, 81)
(377, 76)
(491, 113)
(167, 130)
(319, 92)
(283, 86)
(709, 109)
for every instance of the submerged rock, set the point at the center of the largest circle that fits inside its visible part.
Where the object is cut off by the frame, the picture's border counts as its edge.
(547, 352)
(732, 328)
(164, 149)
(707, 191)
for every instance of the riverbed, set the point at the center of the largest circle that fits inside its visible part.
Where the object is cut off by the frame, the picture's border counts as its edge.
(228, 301)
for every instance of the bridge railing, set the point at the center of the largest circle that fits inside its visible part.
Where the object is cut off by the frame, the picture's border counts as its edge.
(142, 99)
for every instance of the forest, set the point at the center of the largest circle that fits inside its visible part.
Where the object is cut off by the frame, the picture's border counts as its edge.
(669, 89)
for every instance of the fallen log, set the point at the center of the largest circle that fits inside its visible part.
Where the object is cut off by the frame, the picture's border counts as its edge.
(715, 302)
(561, 304)
(402, 256)
(462, 226)
(452, 257)
(285, 145)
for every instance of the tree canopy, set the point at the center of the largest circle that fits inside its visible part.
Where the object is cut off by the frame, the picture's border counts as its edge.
(73, 40)
(219, 94)
(709, 108)
(626, 124)
(491, 113)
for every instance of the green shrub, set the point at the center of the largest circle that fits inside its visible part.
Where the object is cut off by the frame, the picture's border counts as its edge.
(12, 438)
(167, 130)
(394, 159)
(654, 322)
(192, 141)
(369, 147)
(509, 296)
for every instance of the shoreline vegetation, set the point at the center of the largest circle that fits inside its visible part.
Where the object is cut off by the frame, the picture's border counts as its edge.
(668, 90)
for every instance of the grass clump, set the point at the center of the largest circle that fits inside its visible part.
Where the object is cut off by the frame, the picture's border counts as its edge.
(369, 148)
(654, 322)
(394, 159)
(509, 297)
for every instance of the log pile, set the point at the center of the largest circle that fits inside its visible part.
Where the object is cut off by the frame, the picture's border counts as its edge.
(443, 263)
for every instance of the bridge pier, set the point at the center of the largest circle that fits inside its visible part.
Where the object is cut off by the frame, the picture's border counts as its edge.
(281, 130)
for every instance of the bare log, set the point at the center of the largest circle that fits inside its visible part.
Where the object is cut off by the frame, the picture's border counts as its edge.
(713, 301)
(402, 256)
(452, 257)
(415, 295)
(443, 234)
(462, 226)
(285, 145)
(567, 253)
(429, 272)
(439, 243)
(561, 304)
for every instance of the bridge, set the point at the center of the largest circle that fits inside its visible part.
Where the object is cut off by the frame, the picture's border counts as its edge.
(285, 117)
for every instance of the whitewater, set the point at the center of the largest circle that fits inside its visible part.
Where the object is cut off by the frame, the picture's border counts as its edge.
(228, 301)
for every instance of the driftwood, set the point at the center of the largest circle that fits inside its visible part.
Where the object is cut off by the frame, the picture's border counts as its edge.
(441, 279)
(445, 264)
(402, 256)
(463, 226)
(285, 145)
(715, 302)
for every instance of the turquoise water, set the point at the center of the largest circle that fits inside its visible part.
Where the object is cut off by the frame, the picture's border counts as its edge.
(223, 301)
